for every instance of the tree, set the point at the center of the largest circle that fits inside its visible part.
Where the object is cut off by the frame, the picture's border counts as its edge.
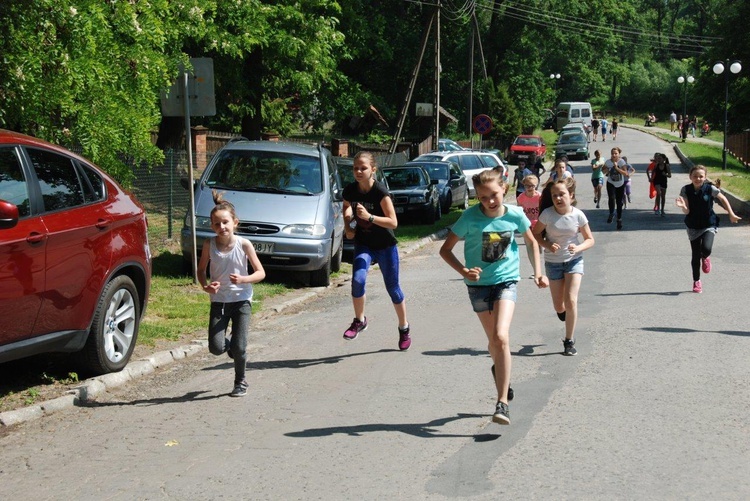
(87, 73)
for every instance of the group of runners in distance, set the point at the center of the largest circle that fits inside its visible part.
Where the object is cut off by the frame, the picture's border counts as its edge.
(548, 222)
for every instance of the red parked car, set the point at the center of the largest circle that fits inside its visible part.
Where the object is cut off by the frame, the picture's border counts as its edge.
(75, 263)
(527, 148)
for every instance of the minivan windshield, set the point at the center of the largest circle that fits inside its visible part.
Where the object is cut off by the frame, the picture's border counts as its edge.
(267, 171)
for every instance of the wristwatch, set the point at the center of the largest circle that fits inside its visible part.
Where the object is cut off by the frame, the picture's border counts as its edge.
(371, 218)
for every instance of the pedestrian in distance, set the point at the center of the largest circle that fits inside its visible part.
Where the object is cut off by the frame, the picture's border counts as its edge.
(529, 199)
(672, 121)
(595, 127)
(597, 176)
(697, 203)
(604, 124)
(658, 176)
(231, 288)
(615, 169)
(518, 176)
(614, 126)
(491, 271)
(370, 219)
(557, 233)
(685, 127)
(538, 169)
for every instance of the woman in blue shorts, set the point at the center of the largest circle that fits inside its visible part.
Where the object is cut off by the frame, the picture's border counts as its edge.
(557, 233)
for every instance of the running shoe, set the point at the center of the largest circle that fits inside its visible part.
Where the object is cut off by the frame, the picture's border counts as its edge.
(502, 414)
(697, 287)
(240, 389)
(511, 393)
(353, 331)
(619, 224)
(404, 341)
(610, 218)
(561, 315)
(706, 264)
(569, 348)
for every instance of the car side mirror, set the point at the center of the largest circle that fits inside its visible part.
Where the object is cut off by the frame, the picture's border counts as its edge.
(434, 181)
(8, 215)
(338, 195)
(455, 176)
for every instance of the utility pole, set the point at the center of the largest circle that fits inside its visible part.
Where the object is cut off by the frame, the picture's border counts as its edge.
(436, 111)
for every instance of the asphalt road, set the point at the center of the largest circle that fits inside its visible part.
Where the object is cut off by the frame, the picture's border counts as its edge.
(653, 407)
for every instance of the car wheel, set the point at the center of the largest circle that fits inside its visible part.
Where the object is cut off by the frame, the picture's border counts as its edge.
(322, 277)
(115, 327)
(337, 257)
(465, 204)
(448, 202)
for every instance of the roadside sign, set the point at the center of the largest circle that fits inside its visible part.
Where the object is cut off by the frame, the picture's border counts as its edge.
(200, 91)
(482, 124)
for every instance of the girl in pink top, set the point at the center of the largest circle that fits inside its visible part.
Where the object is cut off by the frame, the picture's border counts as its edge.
(530, 198)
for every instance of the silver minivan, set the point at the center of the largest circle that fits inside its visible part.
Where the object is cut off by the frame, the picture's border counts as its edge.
(288, 199)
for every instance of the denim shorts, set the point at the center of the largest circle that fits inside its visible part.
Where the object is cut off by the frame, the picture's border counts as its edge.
(598, 181)
(483, 297)
(556, 271)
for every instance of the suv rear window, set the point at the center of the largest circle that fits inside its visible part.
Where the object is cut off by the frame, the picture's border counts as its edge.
(266, 171)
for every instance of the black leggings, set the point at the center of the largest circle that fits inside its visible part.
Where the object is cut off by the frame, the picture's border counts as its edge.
(701, 248)
(614, 196)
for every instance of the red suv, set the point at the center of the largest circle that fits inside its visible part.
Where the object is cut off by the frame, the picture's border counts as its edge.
(75, 263)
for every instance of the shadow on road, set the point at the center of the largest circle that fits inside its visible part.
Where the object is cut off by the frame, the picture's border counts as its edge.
(421, 430)
(299, 363)
(683, 330)
(527, 350)
(192, 396)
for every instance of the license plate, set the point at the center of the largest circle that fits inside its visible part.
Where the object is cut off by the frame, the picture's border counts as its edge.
(399, 210)
(263, 247)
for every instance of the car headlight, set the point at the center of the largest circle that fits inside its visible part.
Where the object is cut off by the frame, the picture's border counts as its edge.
(201, 223)
(417, 199)
(308, 230)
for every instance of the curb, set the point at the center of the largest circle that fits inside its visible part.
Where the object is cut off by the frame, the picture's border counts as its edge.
(89, 389)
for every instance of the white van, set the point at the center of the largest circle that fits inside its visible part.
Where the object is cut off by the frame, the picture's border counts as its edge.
(573, 112)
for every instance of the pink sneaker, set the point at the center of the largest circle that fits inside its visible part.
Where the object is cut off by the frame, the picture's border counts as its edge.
(353, 331)
(697, 287)
(706, 264)
(404, 341)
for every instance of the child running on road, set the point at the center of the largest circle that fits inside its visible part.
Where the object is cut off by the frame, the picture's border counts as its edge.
(491, 270)
(529, 199)
(597, 176)
(697, 203)
(367, 202)
(231, 287)
(563, 260)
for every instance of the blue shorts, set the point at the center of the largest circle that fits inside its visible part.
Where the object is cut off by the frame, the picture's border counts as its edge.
(597, 181)
(557, 271)
(483, 297)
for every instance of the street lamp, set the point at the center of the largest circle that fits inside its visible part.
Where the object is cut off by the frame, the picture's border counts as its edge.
(686, 81)
(735, 68)
(555, 77)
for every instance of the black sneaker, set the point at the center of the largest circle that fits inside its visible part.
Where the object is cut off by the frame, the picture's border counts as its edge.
(569, 348)
(610, 218)
(511, 393)
(619, 224)
(240, 389)
(502, 414)
(561, 316)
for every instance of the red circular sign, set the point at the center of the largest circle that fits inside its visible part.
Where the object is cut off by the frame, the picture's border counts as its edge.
(482, 124)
